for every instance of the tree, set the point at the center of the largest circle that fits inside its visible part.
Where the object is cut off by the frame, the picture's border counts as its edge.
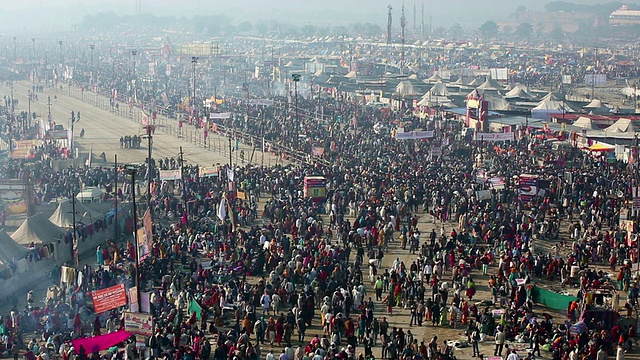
(524, 31)
(489, 28)
(245, 26)
(557, 34)
(456, 31)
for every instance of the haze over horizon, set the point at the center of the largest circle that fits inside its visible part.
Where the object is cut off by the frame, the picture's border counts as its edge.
(36, 16)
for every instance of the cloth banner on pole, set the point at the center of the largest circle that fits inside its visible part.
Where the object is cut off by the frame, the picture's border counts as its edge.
(551, 299)
(194, 307)
(101, 342)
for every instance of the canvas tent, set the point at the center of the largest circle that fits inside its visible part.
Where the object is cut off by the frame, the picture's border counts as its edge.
(433, 79)
(37, 229)
(63, 216)
(550, 105)
(596, 106)
(490, 84)
(519, 92)
(585, 123)
(621, 126)
(10, 250)
(405, 88)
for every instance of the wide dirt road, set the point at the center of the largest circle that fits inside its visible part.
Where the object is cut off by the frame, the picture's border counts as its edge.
(103, 129)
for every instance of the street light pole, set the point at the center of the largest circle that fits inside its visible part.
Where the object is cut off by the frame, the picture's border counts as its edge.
(296, 79)
(131, 170)
(60, 47)
(194, 61)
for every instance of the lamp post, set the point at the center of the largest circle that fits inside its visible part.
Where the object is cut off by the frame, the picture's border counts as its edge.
(133, 80)
(296, 79)
(194, 62)
(91, 48)
(29, 114)
(60, 48)
(74, 120)
(149, 137)
(74, 237)
(131, 171)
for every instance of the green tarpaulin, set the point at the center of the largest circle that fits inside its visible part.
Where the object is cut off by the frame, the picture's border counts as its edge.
(194, 307)
(551, 299)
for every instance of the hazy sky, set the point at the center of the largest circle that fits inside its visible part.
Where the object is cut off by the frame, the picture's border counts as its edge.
(46, 15)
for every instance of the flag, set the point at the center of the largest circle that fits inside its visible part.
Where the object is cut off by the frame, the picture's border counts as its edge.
(230, 174)
(194, 307)
(222, 209)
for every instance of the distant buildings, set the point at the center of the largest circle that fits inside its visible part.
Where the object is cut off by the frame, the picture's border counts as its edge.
(624, 16)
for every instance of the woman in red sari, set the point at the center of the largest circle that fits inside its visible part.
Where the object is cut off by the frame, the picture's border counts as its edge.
(279, 330)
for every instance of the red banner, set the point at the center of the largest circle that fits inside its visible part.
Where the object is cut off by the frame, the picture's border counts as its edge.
(109, 298)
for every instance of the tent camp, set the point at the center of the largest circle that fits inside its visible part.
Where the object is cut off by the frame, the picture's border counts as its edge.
(37, 229)
(63, 216)
(621, 126)
(433, 79)
(10, 250)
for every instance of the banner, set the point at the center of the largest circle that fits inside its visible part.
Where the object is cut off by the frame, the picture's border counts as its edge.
(145, 237)
(262, 102)
(222, 209)
(219, 115)
(138, 324)
(109, 298)
(527, 187)
(482, 195)
(101, 342)
(495, 136)
(194, 307)
(317, 150)
(414, 135)
(25, 149)
(166, 175)
(497, 183)
(551, 299)
(207, 171)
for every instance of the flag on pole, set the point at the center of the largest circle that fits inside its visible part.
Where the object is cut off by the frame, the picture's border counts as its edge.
(222, 209)
(194, 307)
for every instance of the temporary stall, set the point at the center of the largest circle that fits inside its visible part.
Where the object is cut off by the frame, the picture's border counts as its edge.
(90, 194)
(37, 229)
(63, 216)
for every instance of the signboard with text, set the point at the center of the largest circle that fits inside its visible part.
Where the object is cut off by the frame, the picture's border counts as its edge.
(109, 298)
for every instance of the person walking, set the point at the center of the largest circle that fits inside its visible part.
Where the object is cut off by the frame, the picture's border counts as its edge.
(500, 339)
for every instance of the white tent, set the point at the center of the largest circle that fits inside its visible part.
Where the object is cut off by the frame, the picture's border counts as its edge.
(433, 79)
(550, 105)
(597, 106)
(10, 250)
(621, 126)
(405, 88)
(519, 92)
(490, 84)
(585, 123)
(37, 229)
(438, 89)
(63, 216)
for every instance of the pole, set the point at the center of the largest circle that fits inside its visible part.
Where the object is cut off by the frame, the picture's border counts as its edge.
(184, 187)
(74, 239)
(115, 190)
(149, 171)
(230, 158)
(29, 114)
(132, 172)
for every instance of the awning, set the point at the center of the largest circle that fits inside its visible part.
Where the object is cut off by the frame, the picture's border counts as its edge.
(598, 147)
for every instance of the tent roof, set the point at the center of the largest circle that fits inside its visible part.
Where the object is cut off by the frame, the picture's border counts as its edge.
(518, 92)
(10, 250)
(434, 78)
(490, 84)
(37, 229)
(584, 122)
(405, 88)
(438, 89)
(598, 147)
(63, 216)
(622, 126)
(475, 82)
(549, 102)
(595, 104)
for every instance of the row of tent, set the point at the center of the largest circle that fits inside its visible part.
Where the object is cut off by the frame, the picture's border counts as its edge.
(40, 230)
